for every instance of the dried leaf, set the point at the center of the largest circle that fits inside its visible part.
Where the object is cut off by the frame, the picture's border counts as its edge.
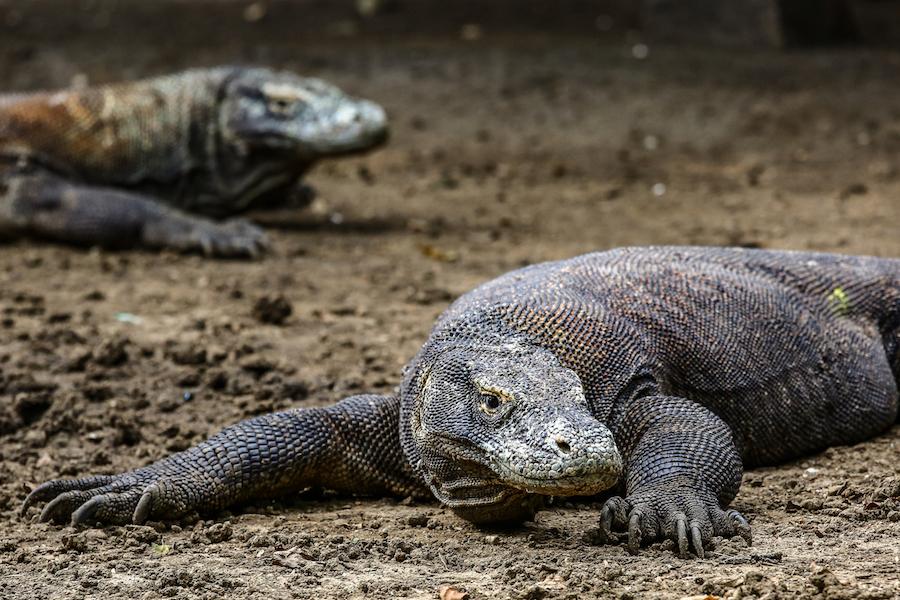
(452, 592)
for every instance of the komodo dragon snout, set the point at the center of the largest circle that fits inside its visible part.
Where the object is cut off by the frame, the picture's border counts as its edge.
(498, 425)
(305, 116)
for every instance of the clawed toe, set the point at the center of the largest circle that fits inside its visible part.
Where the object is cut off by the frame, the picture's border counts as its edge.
(696, 541)
(614, 515)
(103, 499)
(237, 238)
(739, 525)
(60, 508)
(86, 511)
(681, 533)
(635, 535)
(53, 489)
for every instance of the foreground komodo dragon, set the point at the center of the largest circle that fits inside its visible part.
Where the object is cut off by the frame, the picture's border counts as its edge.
(660, 372)
(148, 163)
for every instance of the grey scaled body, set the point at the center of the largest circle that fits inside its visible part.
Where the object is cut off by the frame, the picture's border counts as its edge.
(657, 374)
(157, 162)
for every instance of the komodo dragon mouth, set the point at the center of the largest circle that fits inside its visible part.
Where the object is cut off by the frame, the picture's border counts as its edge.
(585, 480)
(580, 464)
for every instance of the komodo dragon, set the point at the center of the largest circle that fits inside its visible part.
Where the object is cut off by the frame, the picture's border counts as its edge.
(659, 372)
(148, 163)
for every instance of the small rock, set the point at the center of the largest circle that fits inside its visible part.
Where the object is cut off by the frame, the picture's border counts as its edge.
(272, 310)
(142, 533)
(219, 532)
(76, 542)
(418, 521)
(812, 504)
(854, 189)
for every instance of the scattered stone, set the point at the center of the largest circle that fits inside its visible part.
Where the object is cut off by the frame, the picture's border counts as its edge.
(854, 189)
(219, 532)
(142, 533)
(272, 310)
(812, 504)
(418, 521)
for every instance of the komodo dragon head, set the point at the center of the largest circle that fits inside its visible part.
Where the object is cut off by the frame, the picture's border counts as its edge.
(282, 113)
(494, 429)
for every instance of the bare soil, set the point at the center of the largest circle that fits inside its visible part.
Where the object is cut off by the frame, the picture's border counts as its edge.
(505, 151)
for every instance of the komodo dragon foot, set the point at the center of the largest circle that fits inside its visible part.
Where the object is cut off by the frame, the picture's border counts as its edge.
(679, 514)
(48, 206)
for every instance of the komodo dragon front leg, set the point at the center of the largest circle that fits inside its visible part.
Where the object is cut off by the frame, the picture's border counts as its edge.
(350, 447)
(48, 206)
(681, 468)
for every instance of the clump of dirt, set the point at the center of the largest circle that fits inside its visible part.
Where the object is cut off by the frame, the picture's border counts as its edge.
(274, 311)
(504, 152)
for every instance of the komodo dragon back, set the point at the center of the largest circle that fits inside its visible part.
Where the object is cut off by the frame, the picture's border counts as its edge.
(156, 130)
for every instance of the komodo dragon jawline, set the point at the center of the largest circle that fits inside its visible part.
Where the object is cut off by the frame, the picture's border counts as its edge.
(659, 372)
(142, 163)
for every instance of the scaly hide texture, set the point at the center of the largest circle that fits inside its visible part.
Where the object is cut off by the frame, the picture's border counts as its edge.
(655, 374)
(143, 163)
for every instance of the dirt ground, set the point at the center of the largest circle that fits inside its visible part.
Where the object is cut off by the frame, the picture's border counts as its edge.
(505, 151)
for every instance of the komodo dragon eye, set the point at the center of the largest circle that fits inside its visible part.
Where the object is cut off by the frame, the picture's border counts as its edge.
(491, 400)
(283, 106)
(284, 99)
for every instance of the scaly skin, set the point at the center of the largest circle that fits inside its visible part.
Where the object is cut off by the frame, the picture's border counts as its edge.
(659, 373)
(143, 163)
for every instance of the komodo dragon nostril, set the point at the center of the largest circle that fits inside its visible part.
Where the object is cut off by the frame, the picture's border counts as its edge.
(562, 444)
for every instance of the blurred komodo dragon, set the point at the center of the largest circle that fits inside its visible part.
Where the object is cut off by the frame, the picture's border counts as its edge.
(149, 163)
(658, 372)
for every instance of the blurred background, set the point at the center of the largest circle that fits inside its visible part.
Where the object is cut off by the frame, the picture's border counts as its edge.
(522, 131)
(575, 124)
